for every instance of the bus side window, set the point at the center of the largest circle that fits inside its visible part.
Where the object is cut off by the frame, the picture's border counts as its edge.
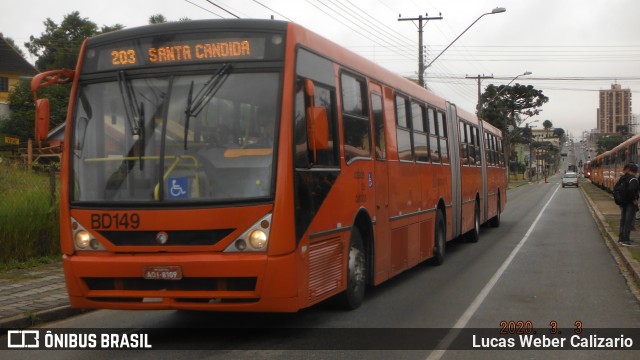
(464, 142)
(378, 123)
(420, 137)
(433, 136)
(442, 132)
(473, 153)
(403, 129)
(356, 124)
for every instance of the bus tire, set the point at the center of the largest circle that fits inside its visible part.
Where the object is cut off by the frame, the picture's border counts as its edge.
(495, 221)
(352, 297)
(474, 235)
(439, 239)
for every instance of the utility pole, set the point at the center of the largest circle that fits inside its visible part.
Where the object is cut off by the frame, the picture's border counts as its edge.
(480, 78)
(420, 49)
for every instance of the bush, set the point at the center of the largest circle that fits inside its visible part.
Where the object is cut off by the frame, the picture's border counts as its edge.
(29, 216)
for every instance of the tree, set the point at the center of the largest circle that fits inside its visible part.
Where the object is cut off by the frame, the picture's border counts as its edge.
(547, 125)
(559, 133)
(20, 123)
(58, 47)
(157, 19)
(506, 105)
(161, 19)
(607, 143)
(622, 130)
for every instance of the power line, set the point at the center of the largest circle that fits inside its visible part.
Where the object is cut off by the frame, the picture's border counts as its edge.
(392, 33)
(374, 31)
(223, 9)
(354, 27)
(207, 10)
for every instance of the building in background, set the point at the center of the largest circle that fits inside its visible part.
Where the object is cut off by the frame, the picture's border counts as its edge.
(12, 67)
(614, 113)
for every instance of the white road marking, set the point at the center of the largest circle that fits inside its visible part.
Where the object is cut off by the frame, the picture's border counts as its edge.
(473, 307)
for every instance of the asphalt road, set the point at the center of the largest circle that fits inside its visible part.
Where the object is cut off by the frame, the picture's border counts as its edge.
(546, 264)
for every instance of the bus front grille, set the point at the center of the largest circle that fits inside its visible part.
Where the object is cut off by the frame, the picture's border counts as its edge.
(174, 238)
(184, 284)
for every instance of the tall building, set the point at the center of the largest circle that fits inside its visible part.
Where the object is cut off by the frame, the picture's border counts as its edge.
(614, 113)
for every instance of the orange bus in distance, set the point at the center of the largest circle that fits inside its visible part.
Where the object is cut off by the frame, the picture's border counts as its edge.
(253, 165)
(607, 167)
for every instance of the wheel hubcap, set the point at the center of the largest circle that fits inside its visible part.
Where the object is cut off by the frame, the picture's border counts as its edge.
(356, 267)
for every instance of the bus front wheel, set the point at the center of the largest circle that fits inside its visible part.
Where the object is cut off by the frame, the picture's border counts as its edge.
(356, 273)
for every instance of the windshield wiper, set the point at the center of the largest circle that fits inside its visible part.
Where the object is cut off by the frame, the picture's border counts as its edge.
(202, 98)
(133, 113)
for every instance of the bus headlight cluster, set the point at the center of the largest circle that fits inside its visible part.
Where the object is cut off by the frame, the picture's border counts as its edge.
(256, 238)
(83, 240)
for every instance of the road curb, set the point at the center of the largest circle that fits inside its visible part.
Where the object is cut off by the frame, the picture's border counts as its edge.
(628, 266)
(24, 321)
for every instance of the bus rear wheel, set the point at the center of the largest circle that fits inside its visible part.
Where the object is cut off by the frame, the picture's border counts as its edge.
(356, 273)
(474, 235)
(495, 221)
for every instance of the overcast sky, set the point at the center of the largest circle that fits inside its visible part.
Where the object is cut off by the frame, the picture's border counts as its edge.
(573, 48)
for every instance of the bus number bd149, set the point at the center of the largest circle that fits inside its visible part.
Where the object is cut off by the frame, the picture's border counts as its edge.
(115, 221)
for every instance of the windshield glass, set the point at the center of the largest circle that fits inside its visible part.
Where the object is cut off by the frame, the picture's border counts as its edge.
(176, 138)
(573, 176)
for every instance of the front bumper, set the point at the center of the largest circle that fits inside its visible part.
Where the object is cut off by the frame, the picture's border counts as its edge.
(217, 282)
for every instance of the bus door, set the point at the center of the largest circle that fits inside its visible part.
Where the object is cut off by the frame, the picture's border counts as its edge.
(380, 187)
(454, 156)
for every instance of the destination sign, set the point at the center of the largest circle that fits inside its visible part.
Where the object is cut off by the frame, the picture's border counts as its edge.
(169, 50)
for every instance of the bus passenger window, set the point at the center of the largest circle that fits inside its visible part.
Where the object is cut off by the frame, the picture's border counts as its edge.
(444, 146)
(473, 154)
(420, 143)
(378, 123)
(464, 143)
(433, 136)
(403, 130)
(356, 126)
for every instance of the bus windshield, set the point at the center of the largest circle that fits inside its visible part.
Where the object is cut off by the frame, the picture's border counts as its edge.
(176, 138)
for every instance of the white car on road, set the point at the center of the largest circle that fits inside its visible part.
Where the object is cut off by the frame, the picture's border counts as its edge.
(570, 179)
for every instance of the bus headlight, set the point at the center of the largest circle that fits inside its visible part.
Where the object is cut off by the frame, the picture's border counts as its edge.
(255, 238)
(258, 239)
(83, 240)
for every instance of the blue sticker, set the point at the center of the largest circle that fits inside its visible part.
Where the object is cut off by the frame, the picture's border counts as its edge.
(370, 180)
(178, 188)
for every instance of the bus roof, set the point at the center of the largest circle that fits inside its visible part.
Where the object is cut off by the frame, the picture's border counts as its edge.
(188, 27)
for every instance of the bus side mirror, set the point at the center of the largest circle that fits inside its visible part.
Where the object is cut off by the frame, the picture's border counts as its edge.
(42, 120)
(41, 81)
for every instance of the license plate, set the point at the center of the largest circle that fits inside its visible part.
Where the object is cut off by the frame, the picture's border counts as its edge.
(162, 272)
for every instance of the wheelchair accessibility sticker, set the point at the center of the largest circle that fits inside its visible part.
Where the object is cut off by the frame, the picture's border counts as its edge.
(178, 188)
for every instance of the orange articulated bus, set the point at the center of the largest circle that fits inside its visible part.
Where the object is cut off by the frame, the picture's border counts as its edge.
(586, 169)
(250, 165)
(607, 167)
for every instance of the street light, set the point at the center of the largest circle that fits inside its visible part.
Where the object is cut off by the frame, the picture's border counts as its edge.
(497, 10)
